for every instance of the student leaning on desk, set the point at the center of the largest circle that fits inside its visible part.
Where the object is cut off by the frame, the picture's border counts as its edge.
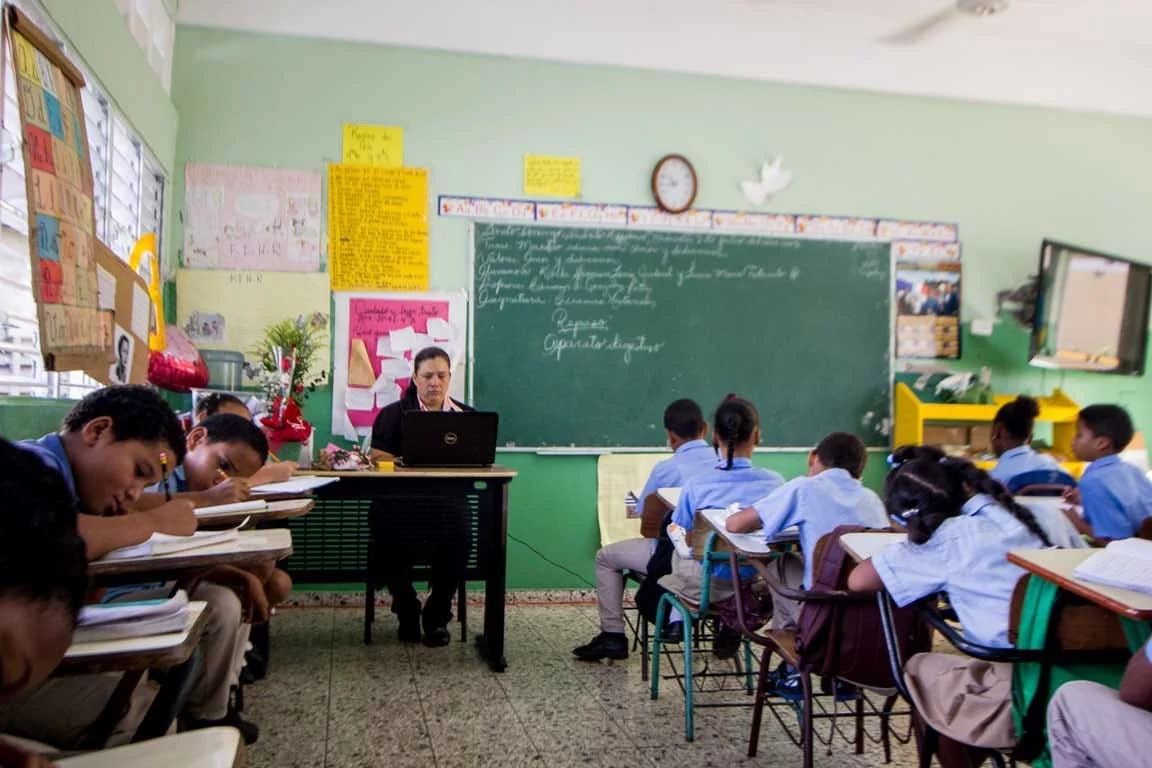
(43, 579)
(114, 443)
(427, 391)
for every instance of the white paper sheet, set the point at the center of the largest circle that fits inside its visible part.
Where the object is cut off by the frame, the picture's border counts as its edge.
(440, 329)
(141, 311)
(358, 398)
(347, 430)
(387, 397)
(384, 348)
(402, 339)
(420, 341)
(394, 368)
(105, 289)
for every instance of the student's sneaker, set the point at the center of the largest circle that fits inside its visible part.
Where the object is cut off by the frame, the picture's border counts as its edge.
(785, 682)
(673, 633)
(606, 645)
(437, 636)
(249, 731)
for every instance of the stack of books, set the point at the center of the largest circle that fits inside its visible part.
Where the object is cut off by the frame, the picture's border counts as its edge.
(117, 621)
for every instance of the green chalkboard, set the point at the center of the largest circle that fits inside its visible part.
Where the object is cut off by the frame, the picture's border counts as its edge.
(582, 336)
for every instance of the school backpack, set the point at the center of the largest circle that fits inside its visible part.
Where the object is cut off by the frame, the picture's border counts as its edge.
(660, 564)
(845, 638)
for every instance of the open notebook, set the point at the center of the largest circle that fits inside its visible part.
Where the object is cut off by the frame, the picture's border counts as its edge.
(1125, 563)
(257, 505)
(301, 484)
(163, 544)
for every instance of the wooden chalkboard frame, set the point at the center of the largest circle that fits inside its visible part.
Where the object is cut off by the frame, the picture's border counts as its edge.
(576, 450)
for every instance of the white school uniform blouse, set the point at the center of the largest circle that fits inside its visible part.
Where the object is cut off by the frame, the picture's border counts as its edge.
(1022, 459)
(967, 557)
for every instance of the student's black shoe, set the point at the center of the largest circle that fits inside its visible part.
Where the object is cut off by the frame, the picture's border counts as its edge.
(673, 633)
(246, 677)
(606, 645)
(256, 664)
(409, 631)
(784, 681)
(250, 732)
(844, 690)
(726, 643)
(437, 637)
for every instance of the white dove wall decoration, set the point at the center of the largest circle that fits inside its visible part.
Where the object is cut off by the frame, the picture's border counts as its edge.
(773, 178)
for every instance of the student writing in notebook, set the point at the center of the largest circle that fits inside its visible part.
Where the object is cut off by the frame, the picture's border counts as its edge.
(1012, 441)
(113, 444)
(223, 403)
(736, 433)
(1116, 496)
(43, 577)
(961, 526)
(686, 430)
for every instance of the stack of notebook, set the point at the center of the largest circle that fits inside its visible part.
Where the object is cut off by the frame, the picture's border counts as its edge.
(117, 621)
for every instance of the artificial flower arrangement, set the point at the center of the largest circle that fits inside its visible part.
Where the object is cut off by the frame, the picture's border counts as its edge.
(289, 355)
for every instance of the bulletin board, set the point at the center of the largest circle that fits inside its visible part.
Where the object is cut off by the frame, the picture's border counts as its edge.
(74, 331)
(376, 335)
(241, 217)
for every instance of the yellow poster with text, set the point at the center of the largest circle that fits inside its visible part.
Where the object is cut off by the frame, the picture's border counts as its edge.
(373, 145)
(377, 228)
(548, 176)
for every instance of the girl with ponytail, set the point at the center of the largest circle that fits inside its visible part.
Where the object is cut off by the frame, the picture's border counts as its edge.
(735, 433)
(961, 526)
(1011, 441)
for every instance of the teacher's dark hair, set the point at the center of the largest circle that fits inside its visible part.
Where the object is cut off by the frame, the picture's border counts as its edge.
(735, 421)
(423, 356)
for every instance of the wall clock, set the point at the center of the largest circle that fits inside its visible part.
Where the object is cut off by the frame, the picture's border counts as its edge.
(674, 184)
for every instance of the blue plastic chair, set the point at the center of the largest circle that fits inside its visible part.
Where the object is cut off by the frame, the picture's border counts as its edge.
(692, 616)
(1041, 482)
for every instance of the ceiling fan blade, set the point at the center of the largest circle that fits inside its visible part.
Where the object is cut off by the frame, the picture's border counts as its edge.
(923, 28)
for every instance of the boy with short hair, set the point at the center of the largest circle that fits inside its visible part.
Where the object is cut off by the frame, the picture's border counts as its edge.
(685, 429)
(830, 495)
(1116, 496)
(114, 443)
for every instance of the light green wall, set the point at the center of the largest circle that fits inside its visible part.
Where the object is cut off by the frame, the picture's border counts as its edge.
(1009, 176)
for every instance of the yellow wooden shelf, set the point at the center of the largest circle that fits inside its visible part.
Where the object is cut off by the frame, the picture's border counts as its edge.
(913, 414)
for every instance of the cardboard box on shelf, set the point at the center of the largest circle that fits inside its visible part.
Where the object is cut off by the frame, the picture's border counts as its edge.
(946, 436)
(980, 438)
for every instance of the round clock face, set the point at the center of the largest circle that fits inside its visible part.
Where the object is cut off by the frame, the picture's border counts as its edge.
(674, 184)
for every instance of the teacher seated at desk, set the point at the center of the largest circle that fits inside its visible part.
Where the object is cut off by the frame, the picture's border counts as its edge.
(427, 391)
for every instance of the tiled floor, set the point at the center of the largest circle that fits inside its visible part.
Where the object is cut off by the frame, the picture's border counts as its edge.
(332, 701)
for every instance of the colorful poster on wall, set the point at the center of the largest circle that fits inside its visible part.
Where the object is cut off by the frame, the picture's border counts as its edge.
(376, 336)
(927, 299)
(378, 228)
(373, 145)
(238, 217)
(59, 187)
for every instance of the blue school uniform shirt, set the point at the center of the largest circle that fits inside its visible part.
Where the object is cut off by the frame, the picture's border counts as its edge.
(1116, 497)
(718, 488)
(1020, 460)
(50, 449)
(689, 460)
(817, 505)
(177, 483)
(967, 557)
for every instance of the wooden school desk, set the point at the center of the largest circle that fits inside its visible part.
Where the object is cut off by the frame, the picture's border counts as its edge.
(207, 748)
(133, 657)
(1057, 565)
(670, 496)
(277, 510)
(249, 548)
(863, 545)
(438, 496)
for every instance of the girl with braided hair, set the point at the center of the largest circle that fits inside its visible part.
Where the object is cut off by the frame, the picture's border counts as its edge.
(961, 526)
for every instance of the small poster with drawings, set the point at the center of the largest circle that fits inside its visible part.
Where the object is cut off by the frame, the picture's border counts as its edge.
(123, 345)
(205, 326)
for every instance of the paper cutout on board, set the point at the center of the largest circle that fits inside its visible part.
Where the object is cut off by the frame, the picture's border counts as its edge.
(357, 399)
(388, 396)
(106, 288)
(551, 176)
(373, 145)
(394, 368)
(384, 348)
(347, 431)
(243, 298)
(402, 339)
(360, 366)
(420, 341)
(377, 228)
(440, 330)
(240, 217)
(141, 311)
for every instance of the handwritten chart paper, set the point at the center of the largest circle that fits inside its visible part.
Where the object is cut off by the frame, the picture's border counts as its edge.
(376, 336)
(551, 176)
(378, 228)
(373, 145)
(238, 217)
(60, 221)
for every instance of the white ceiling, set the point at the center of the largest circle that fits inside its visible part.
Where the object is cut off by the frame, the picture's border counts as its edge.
(1088, 55)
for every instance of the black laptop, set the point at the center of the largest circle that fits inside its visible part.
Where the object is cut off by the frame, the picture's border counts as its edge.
(449, 438)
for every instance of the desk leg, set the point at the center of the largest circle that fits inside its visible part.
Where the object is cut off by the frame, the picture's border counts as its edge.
(491, 643)
(169, 699)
